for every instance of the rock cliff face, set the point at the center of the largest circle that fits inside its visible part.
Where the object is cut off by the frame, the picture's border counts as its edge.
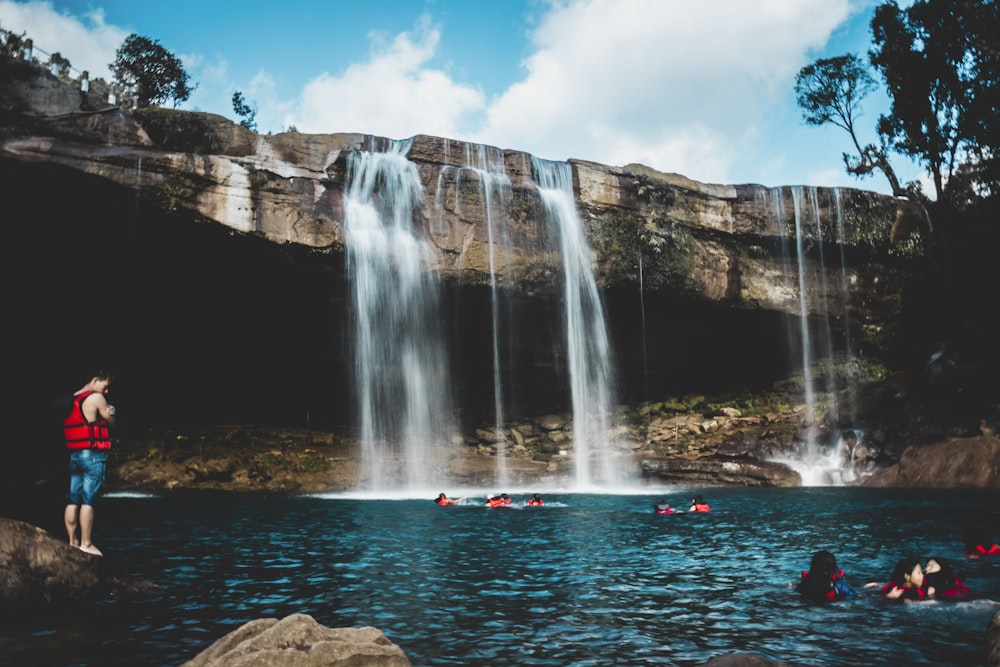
(229, 254)
(717, 243)
(739, 245)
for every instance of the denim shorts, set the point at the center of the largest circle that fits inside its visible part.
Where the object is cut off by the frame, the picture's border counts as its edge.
(86, 475)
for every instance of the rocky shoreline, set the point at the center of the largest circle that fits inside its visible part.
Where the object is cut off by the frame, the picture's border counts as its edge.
(693, 443)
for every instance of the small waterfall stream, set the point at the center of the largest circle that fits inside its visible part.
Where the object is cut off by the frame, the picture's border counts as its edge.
(400, 365)
(587, 347)
(488, 166)
(818, 462)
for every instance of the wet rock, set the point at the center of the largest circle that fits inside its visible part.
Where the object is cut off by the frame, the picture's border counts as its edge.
(993, 641)
(720, 471)
(37, 569)
(956, 463)
(742, 444)
(299, 641)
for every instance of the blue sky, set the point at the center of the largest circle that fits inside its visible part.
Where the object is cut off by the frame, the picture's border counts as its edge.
(703, 88)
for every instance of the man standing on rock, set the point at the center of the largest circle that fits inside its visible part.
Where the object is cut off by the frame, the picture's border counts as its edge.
(88, 442)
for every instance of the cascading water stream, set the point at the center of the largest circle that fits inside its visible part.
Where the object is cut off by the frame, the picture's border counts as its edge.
(587, 346)
(845, 291)
(818, 463)
(400, 367)
(487, 164)
(828, 359)
(809, 386)
(642, 330)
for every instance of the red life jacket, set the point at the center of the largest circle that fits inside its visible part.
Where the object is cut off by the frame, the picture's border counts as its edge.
(983, 551)
(956, 590)
(831, 594)
(909, 593)
(81, 434)
(535, 503)
(702, 507)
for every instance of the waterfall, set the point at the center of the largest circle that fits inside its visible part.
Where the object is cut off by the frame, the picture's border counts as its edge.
(642, 331)
(400, 366)
(808, 381)
(587, 345)
(819, 463)
(485, 165)
(845, 292)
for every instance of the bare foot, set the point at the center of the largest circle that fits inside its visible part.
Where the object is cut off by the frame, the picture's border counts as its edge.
(91, 549)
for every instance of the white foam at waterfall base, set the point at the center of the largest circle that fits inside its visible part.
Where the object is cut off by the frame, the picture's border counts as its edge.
(830, 466)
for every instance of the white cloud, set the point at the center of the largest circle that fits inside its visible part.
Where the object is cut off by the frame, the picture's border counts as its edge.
(677, 85)
(89, 44)
(394, 94)
(687, 87)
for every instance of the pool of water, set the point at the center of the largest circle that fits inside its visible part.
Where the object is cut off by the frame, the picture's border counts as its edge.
(588, 579)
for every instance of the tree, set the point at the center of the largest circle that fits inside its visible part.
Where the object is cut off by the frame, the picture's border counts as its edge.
(830, 91)
(940, 62)
(245, 111)
(150, 72)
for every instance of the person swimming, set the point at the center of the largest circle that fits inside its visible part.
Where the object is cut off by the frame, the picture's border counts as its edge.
(979, 542)
(503, 500)
(442, 499)
(663, 507)
(824, 581)
(698, 504)
(535, 501)
(907, 581)
(941, 581)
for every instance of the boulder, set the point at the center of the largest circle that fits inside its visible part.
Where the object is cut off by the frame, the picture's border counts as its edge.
(720, 471)
(956, 463)
(299, 641)
(36, 568)
(993, 641)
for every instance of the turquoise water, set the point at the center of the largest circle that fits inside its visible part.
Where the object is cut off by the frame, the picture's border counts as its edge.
(585, 580)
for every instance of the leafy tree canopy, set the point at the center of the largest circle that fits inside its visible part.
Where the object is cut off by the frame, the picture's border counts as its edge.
(149, 72)
(940, 63)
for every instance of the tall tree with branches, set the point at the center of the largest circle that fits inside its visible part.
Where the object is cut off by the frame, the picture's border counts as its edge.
(830, 91)
(940, 63)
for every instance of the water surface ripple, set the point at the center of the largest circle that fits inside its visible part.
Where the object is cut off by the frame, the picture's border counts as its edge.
(585, 580)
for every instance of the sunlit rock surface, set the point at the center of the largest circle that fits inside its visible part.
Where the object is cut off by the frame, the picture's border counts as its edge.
(299, 641)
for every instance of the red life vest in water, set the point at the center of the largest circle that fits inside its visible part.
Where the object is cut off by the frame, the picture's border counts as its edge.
(702, 507)
(983, 551)
(909, 593)
(831, 594)
(498, 502)
(81, 434)
(535, 503)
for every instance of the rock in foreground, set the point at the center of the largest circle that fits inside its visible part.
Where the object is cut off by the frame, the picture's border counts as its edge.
(957, 463)
(300, 641)
(36, 568)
